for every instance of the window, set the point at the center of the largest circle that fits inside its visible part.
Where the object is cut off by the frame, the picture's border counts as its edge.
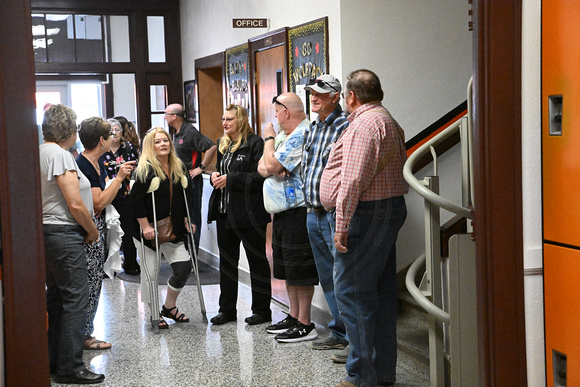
(80, 38)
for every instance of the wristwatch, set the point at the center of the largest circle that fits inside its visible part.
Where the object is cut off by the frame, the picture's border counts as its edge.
(203, 167)
(269, 138)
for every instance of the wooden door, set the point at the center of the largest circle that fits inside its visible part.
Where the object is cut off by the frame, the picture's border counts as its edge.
(271, 81)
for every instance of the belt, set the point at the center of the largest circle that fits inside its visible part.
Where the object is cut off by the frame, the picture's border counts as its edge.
(317, 210)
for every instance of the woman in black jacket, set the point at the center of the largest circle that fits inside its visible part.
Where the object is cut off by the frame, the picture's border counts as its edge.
(161, 171)
(237, 204)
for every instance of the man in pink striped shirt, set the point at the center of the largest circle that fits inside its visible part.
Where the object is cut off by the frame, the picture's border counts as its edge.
(363, 184)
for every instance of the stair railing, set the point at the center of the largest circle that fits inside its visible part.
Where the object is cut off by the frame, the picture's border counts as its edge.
(432, 285)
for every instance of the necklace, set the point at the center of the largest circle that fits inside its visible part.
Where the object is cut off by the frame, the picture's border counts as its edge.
(94, 162)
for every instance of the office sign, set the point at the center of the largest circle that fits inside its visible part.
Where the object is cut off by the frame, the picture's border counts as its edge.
(250, 23)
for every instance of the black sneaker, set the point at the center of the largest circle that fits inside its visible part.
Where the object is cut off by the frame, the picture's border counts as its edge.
(283, 325)
(298, 332)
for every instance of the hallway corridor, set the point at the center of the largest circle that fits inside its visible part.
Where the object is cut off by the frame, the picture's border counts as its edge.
(199, 354)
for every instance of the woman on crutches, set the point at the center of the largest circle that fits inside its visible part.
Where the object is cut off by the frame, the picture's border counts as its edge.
(158, 193)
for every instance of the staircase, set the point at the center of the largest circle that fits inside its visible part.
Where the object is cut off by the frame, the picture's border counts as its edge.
(413, 342)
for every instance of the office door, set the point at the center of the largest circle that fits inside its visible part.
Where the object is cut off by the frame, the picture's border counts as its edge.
(271, 81)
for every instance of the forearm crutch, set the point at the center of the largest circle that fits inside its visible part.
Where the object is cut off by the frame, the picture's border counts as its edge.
(193, 256)
(153, 285)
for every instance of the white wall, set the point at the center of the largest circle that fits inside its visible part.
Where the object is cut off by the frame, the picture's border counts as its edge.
(422, 53)
(531, 190)
(206, 25)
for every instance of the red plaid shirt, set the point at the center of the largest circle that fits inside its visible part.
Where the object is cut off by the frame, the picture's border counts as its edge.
(351, 174)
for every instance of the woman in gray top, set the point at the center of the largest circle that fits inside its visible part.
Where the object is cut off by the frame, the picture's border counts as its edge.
(67, 207)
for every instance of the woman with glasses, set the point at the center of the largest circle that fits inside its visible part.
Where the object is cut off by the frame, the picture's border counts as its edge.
(96, 137)
(130, 133)
(119, 153)
(238, 206)
(161, 171)
(66, 220)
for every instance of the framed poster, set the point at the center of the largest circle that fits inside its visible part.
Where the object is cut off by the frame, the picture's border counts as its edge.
(237, 77)
(307, 52)
(190, 100)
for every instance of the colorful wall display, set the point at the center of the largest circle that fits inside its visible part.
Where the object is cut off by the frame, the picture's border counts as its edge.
(237, 76)
(307, 52)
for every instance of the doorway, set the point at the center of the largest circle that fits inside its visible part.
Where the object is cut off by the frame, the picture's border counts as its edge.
(271, 80)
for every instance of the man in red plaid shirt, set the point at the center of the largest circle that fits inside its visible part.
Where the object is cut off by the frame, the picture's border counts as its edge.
(363, 184)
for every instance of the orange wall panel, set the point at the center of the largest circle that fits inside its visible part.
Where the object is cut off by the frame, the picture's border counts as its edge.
(561, 154)
(562, 309)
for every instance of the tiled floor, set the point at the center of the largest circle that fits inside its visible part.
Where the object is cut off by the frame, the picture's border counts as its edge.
(199, 354)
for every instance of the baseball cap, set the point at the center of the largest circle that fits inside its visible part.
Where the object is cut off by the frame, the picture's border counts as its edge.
(325, 84)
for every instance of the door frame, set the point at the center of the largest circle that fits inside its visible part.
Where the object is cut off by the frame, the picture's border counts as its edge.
(498, 229)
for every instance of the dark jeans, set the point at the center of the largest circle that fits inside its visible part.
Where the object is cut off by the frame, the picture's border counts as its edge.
(131, 229)
(366, 290)
(67, 296)
(254, 240)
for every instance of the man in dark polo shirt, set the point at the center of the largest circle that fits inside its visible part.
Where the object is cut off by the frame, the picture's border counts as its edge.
(189, 145)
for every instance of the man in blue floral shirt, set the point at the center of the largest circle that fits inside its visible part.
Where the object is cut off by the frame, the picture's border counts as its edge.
(284, 197)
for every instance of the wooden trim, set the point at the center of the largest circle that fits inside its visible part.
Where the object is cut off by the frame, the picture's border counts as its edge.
(25, 321)
(498, 192)
(139, 65)
(214, 60)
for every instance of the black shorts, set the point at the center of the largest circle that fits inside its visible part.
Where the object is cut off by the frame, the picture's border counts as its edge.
(293, 258)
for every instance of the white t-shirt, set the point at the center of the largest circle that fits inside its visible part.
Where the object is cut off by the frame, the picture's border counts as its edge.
(55, 161)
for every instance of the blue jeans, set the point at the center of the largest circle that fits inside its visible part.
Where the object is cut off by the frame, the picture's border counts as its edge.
(67, 295)
(366, 291)
(321, 239)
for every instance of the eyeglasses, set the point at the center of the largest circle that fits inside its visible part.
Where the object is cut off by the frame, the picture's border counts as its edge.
(170, 114)
(321, 83)
(116, 130)
(275, 100)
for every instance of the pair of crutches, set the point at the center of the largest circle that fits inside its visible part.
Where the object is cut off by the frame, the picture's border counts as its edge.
(154, 284)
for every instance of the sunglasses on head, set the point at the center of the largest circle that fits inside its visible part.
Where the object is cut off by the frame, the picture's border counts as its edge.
(275, 100)
(321, 83)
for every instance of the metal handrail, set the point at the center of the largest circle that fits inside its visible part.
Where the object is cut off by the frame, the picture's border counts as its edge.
(423, 301)
(419, 187)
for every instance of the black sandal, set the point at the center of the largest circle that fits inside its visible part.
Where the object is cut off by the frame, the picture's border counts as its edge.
(167, 313)
(163, 324)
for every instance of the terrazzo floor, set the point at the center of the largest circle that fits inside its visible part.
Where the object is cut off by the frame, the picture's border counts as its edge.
(200, 354)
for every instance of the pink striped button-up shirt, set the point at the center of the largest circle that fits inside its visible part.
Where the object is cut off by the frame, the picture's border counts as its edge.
(353, 172)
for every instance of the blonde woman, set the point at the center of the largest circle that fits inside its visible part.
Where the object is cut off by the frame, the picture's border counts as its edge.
(238, 206)
(159, 165)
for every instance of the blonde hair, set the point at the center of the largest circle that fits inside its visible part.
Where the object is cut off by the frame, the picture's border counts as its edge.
(149, 159)
(242, 126)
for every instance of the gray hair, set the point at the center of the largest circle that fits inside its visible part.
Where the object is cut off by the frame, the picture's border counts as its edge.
(59, 123)
(114, 122)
